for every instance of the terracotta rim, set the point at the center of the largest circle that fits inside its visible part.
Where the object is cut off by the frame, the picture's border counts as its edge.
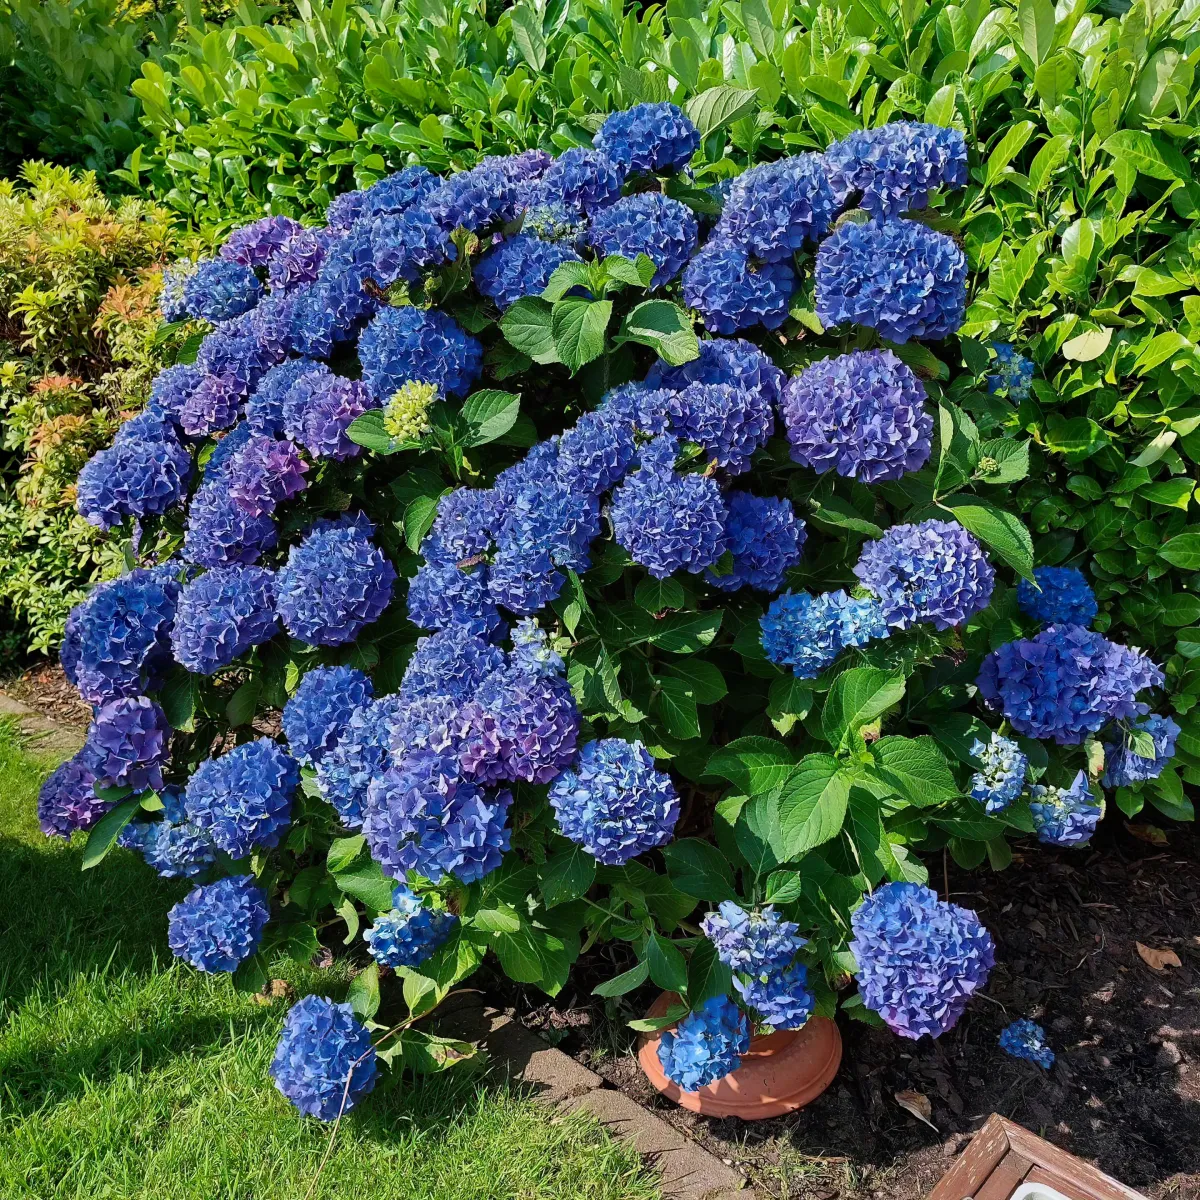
(781, 1072)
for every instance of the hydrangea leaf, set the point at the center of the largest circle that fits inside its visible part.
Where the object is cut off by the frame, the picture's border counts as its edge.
(856, 698)
(654, 595)
(103, 835)
(758, 833)
(668, 967)
(665, 328)
(578, 328)
(754, 765)
(707, 975)
(1003, 532)
(527, 325)
(699, 869)
(566, 875)
(685, 633)
(916, 768)
(625, 982)
(489, 415)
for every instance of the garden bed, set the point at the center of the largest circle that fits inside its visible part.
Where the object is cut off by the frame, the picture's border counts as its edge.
(1124, 1093)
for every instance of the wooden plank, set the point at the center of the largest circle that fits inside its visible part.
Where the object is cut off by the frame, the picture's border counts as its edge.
(1076, 1178)
(976, 1162)
(1006, 1177)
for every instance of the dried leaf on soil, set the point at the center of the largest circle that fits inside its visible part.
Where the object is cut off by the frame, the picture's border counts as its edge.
(1147, 833)
(917, 1105)
(1157, 960)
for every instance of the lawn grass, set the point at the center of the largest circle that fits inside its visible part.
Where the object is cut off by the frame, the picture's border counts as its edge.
(124, 1075)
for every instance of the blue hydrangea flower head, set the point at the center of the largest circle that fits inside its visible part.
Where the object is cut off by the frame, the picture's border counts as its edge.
(265, 472)
(127, 744)
(67, 800)
(771, 210)
(734, 361)
(1065, 816)
(596, 452)
(899, 277)
(406, 246)
(920, 959)
(218, 290)
(751, 942)
(172, 387)
(808, 632)
(1124, 766)
(466, 521)
(706, 1045)
(221, 614)
(1065, 683)
(1014, 373)
(647, 223)
(319, 409)
(1000, 779)
(614, 803)
(238, 354)
(442, 595)
(334, 584)
(344, 210)
(452, 663)
(476, 200)
(299, 259)
(731, 292)
(411, 343)
(781, 997)
(360, 752)
(324, 1062)
(765, 539)
(117, 641)
(256, 244)
(580, 181)
(422, 816)
(243, 799)
(399, 191)
(532, 653)
(1062, 597)
(519, 266)
(175, 846)
(320, 708)
(265, 405)
(861, 414)
(217, 926)
(170, 297)
(894, 167)
(141, 474)
(551, 219)
(669, 521)
(729, 424)
(934, 572)
(214, 405)
(1026, 1039)
(408, 934)
(648, 138)
(220, 531)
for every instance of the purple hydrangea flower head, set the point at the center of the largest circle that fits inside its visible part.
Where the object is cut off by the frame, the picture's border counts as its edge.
(218, 290)
(411, 343)
(475, 200)
(405, 246)
(666, 520)
(117, 641)
(422, 816)
(706, 1045)
(466, 522)
(1062, 597)
(238, 356)
(730, 292)
(451, 663)
(219, 531)
(894, 167)
(137, 476)
(1026, 1039)
(596, 452)
(774, 208)
(734, 361)
(1001, 776)
(127, 744)
(324, 1062)
(243, 799)
(172, 387)
(427, 723)
(1124, 766)
(1065, 683)
(408, 934)
(765, 540)
(920, 959)
(265, 472)
(176, 847)
(899, 277)
(1014, 372)
(933, 572)
(265, 406)
(860, 414)
(1064, 816)
(319, 409)
(256, 244)
(399, 191)
(320, 709)
(808, 632)
(298, 260)
(781, 997)
(519, 266)
(170, 297)
(614, 803)
(334, 584)
(213, 405)
(359, 753)
(729, 424)
(443, 594)
(344, 210)
(751, 942)
(580, 181)
(270, 325)
(523, 167)
(217, 926)
(648, 138)
(67, 800)
(221, 614)
(647, 223)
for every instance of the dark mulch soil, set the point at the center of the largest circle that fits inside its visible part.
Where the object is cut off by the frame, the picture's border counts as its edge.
(1124, 1093)
(43, 686)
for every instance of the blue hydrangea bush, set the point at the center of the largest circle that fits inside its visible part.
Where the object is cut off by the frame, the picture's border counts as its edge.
(559, 555)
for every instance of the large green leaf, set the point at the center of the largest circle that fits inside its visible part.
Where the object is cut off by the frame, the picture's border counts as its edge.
(1000, 531)
(578, 327)
(857, 697)
(719, 106)
(753, 765)
(489, 415)
(665, 328)
(812, 805)
(916, 768)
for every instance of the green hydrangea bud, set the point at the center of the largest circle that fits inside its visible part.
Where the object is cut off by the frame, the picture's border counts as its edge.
(406, 416)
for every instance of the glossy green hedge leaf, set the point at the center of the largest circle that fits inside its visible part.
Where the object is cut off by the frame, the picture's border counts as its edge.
(665, 328)
(698, 868)
(707, 975)
(566, 875)
(103, 835)
(626, 982)
(1170, 493)
(1009, 146)
(668, 967)
(1035, 19)
(857, 697)
(812, 805)
(579, 330)
(753, 765)
(527, 34)
(1150, 155)
(490, 414)
(916, 768)
(719, 106)
(528, 326)
(1055, 79)
(1001, 532)
(1183, 551)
